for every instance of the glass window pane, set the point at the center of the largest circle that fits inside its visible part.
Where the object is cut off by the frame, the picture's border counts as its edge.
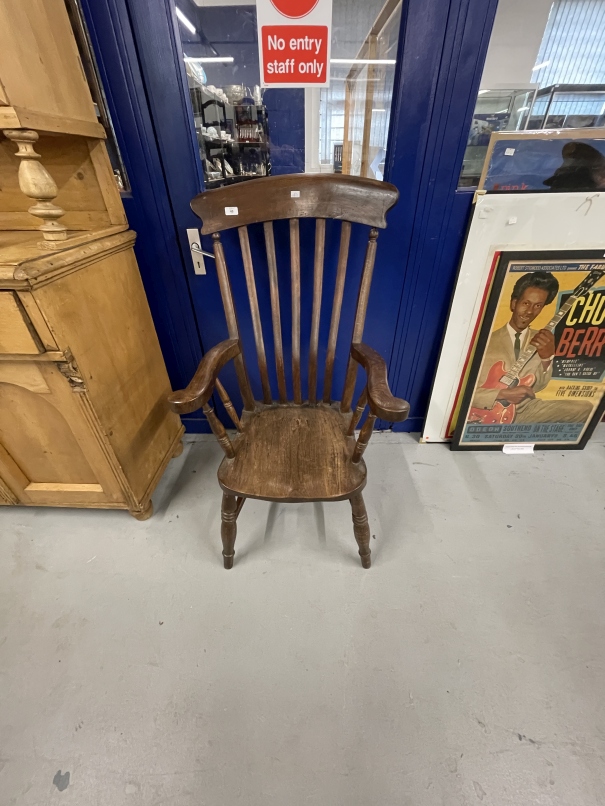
(245, 131)
(545, 69)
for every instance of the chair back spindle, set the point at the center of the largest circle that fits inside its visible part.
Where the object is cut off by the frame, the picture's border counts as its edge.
(341, 273)
(295, 281)
(227, 297)
(321, 197)
(318, 273)
(256, 321)
(275, 311)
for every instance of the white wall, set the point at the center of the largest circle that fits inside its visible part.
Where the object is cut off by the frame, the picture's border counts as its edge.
(516, 37)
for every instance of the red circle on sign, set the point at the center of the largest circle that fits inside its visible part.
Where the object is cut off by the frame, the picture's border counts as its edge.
(294, 8)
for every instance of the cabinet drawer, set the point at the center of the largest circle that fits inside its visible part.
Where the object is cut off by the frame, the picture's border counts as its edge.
(17, 334)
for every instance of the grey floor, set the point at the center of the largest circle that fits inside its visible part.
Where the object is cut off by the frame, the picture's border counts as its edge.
(466, 667)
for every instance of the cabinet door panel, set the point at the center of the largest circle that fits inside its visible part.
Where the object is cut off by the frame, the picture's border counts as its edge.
(16, 332)
(48, 452)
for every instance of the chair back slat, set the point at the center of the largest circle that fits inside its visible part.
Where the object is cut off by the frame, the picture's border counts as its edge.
(363, 201)
(360, 318)
(318, 274)
(275, 311)
(295, 284)
(341, 273)
(227, 297)
(254, 310)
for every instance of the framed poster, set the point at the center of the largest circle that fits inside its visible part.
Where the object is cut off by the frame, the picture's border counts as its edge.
(571, 160)
(538, 372)
(501, 222)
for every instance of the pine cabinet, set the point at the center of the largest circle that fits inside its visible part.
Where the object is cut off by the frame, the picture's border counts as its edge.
(84, 420)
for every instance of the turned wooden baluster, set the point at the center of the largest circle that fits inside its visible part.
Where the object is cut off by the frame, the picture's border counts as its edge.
(255, 312)
(230, 408)
(359, 409)
(218, 429)
(38, 184)
(363, 438)
(229, 512)
(361, 529)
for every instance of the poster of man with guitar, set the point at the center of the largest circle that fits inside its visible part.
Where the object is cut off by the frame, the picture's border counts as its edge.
(539, 370)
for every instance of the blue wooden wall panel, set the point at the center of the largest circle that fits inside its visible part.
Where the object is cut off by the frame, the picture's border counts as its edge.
(442, 56)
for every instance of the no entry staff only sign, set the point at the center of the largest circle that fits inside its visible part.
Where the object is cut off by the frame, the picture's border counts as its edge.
(295, 37)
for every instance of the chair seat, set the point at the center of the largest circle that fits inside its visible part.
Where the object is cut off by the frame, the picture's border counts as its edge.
(293, 453)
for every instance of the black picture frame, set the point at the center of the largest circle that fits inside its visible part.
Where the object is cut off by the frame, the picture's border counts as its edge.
(551, 257)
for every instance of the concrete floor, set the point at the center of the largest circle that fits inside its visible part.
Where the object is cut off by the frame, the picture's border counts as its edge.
(467, 667)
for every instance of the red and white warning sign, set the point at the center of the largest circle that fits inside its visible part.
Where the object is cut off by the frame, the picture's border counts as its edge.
(294, 38)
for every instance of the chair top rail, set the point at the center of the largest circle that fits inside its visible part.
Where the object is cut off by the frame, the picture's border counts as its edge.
(345, 198)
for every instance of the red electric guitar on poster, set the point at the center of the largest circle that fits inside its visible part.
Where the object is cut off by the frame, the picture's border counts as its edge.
(498, 378)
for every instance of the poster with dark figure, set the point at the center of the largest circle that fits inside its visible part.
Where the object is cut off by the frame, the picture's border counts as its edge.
(568, 161)
(538, 374)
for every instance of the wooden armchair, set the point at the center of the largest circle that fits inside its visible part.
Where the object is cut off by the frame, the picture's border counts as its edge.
(294, 450)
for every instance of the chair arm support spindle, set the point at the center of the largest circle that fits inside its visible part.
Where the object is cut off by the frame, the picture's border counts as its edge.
(363, 438)
(381, 401)
(201, 386)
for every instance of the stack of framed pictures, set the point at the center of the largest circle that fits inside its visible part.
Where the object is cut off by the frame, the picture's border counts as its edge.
(513, 233)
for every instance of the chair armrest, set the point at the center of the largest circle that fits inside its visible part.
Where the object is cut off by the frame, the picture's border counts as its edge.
(201, 385)
(380, 400)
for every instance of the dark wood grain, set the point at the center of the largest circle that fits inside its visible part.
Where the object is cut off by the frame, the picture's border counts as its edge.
(359, 410)
(229, 407)
(201, 386)
(341, 273)
(295, 282)
(293, 453)
(218, 429)
(361, 527)
(363, 438)
(275, 311)
(360, 318)
(229, 513)
(227, 298)
(364, 201)
(255, 313)
(381, 401)
(318, 274)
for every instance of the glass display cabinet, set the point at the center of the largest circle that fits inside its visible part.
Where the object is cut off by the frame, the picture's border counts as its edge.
(232, 134)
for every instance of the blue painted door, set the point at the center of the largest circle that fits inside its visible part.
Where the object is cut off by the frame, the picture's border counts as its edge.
(441, 52)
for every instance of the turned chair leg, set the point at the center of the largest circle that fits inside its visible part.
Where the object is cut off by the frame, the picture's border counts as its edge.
(361, 527)
(229, 513)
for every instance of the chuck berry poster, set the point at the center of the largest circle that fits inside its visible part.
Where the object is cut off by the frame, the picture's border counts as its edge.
(538, 373)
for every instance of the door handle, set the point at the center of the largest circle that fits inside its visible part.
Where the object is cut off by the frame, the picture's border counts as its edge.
(195, 247)
(197, 253)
